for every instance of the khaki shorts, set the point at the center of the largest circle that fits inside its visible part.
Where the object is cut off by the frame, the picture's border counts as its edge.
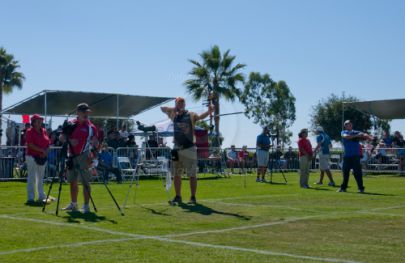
(262, 158)
(80, 169)
(187, 162)
(324, 162)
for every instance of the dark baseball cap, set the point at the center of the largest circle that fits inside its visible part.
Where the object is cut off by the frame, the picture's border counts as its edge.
(83, 107)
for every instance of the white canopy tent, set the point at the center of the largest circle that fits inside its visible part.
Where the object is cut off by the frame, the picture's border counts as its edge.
(58, 103)
(103, 105)
(383, 109)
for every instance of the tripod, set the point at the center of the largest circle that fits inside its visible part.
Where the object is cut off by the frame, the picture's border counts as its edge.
(62, 167)
(140, 164)
(272, 163)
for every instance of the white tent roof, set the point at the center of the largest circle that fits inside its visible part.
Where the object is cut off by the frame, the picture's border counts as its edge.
(383, 109)
(103, 105)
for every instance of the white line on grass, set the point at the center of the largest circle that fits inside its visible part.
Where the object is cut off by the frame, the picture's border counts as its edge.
(257, 251)
(78, 244)
(166, 239)
(264, 205)
(215, 199)
(380, 213)
(112, 232)
(281, 222)
(204, 232)
(80, 225)
(387, 208)
(248, 197)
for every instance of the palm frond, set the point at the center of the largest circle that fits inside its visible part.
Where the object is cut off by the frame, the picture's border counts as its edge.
(215, 72)
(9, 76)
(195, 62)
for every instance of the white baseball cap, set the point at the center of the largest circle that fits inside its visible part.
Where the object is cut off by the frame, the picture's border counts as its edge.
(319, 129)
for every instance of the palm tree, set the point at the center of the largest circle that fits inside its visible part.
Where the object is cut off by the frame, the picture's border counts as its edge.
(10, 78)
(213, 78)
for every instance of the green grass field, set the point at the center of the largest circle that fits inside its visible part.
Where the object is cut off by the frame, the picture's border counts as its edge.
(260, 223)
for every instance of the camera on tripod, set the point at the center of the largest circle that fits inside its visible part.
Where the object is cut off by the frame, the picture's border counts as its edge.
(68, 128)
(144, 128)
(272, 136)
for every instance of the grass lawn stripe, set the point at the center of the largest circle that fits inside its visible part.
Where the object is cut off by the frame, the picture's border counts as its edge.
(162, 239)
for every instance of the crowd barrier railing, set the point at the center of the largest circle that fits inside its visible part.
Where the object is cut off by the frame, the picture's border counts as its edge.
(210, 160)
(378, 160)
(383, 160)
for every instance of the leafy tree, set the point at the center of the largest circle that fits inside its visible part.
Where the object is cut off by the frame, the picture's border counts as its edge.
(10, 77)
(213, 78)
(328, 114)
(203, 124)
(269, 103)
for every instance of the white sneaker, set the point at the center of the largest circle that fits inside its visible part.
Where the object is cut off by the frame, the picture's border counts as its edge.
(86, 208)
(44, 200)
(70, 207)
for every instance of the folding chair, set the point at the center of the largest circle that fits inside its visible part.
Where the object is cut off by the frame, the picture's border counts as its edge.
(125, 166)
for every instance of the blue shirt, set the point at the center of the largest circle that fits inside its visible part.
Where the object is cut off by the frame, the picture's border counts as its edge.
(324, 140)
(352, 147)
(388, 141)
(106, 157)
(263, 140)
(233, 155)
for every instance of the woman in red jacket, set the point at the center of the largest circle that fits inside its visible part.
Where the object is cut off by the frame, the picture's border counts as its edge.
(305, 154)
(37, 142)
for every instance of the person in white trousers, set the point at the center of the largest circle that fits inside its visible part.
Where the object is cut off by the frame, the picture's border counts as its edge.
(37, 142)
(35, 180)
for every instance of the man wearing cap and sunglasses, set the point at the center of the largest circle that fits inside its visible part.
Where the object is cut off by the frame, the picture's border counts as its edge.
(184, 154)
(82, 138)
(352, 153)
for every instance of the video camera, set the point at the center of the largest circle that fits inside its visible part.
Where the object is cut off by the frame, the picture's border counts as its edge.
(68, 128)
(272, 136)
(144, 128)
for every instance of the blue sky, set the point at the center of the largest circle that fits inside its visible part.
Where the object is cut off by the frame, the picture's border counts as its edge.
(142, 47)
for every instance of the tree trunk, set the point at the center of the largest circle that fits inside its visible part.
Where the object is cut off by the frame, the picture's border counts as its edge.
(217, 112)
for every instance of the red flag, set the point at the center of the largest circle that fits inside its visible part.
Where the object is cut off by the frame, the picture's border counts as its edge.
(26, 118)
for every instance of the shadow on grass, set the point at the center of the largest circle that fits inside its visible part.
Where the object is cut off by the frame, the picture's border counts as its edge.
(320, 189)
(209, 178)
(276, 183)
(205, 210)
(371, 193)
(88, 217)
(380, 194)
(154, 211)
(34, 204)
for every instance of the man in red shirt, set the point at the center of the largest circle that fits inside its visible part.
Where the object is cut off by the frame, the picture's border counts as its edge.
(82, 139)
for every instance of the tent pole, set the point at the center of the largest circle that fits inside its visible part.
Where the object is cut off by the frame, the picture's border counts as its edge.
(343, 114)
(45, 106)
(118, 112)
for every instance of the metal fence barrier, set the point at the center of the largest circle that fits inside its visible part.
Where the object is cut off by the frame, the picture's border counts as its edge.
(378, 160)
(155, 161)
